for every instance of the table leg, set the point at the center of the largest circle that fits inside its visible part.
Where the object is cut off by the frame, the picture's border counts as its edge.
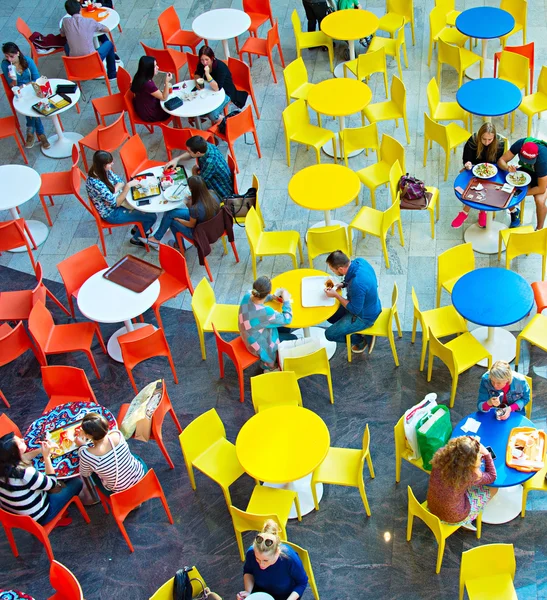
(485, 240)
(328, 150)
(319, 334)
(339, 69)
(488, 65)
(38, 230)
(62, 142)
(500, 342)
(89, 492)
(226, 49)
(305, 497)
(113, 345)
(504, 506)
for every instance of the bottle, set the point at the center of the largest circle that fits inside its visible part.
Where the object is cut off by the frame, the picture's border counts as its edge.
(12, 72)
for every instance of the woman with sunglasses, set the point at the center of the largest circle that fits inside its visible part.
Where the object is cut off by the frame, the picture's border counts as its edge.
(273, 567)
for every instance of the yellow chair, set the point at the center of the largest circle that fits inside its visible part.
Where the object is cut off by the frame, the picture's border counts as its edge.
(324, 240)
(445, 111)
(316, 363)
(344, 466)
(514, 68)
(367, 64)
(487, 572)
(519, 10)
(270, 243)
(458, 58)
(536, 103)
(440, 29)
(528, 409)
(310, 39)
(403, 451)
(449, 137)
(440, 530)
(298, 128)
(256, 184)
(390, 109)
(449, 9)
(207, 311)
(536, 484)
(523, 240)
(391, 46)
(205, 447)
(441, 321)
(297, 86)
(459, 355)
(165, 592)
(377, 174)
(359, 138)
(535, 333)
(383, 326)
(306, 563)
(279, 388)
(451, 265)
(396, 9)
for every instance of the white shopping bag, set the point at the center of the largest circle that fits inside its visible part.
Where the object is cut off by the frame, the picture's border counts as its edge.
(411, 419)
(295, 348)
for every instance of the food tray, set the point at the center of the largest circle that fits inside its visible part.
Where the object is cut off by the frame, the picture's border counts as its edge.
(494, 197)
(64, 438)
(142, 194)
(313, 292)
(520, 464)
(133, 273)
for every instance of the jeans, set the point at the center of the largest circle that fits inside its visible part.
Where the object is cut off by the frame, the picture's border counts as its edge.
(106, 50)
(97, 480)
(176, 227)
(315, 13)
(215, 114)
(167, 220)
(73, 487)
(343, 324)
(35, 125)
(123, 215)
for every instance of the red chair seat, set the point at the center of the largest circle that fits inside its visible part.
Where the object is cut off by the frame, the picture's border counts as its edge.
(184, 38)
(15, 306)
(56, 184)
(255, 45)
(74, 336)
(246, 359)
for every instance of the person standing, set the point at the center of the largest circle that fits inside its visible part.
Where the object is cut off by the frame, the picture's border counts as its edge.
(316, 11)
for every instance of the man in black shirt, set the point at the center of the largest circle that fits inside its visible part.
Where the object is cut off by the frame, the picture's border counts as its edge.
(316, 11)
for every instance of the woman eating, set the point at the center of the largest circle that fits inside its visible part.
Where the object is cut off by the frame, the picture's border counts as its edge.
(502, 385)
(147, 96)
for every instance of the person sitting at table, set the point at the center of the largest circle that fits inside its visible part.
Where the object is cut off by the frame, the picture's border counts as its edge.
(109, 461)
(147, 96)
(485, 146)
(273, 567)
(25, 72)
(532, 159)
(107, 191)
(212, 166)
(354, 4)
(24, 490)
(458, 489)
(362, 306)
(261, 327)
(502, 385)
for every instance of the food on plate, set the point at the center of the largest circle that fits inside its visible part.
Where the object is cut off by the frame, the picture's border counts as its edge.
(329, 284)
(485, 170)
(517, 178)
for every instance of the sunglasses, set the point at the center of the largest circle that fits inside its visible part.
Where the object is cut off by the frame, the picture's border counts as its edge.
(266, 541)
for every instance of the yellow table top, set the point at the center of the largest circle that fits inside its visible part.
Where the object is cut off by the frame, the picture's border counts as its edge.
(349, 24)
(302, 316)
(324, 187)
(282, 444)
(339, 97)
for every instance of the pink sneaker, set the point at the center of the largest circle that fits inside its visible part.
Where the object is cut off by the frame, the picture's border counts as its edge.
(459, 220)
(482, 218)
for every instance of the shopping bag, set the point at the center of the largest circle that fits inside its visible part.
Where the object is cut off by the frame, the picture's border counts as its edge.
(411, 418)
(432, 432)
(295, 348)
(138, 418)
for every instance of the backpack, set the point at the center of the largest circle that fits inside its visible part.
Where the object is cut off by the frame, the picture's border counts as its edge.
(413, 193)
(182, 588)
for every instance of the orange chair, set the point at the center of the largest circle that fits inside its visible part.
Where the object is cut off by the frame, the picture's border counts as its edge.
(134, 158)
(59, 339)
(241, 77)
(114, 104)
(175, 139)
(108, 138)
(192, 61)
(16, 306)
(8, 426)
(64, 582)
(256, 45)
(24, 30)
(259, 11)
(237, 126)
(168, 61)
(156, 424)
(528, 50)
(11, 521)
(9, 96)
(240, 356)
(232, 166)
(540, 294)
(85, 68)
(173, 35)
(66, 384)
(122, 503)
(12, 235)
(142, 344)
(134, 118)
(9, 127)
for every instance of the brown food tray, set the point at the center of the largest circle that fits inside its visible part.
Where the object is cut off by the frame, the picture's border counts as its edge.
(133, 273)
(494, 197)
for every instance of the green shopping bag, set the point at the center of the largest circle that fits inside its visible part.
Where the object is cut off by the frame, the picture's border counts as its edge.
(433, 431)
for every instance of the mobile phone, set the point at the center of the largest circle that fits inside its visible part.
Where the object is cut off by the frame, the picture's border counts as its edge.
(143, 202)
(492, 453)
(195, 88)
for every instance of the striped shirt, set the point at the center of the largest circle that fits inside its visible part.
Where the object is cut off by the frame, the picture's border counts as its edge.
(129, 470)
(27, 495)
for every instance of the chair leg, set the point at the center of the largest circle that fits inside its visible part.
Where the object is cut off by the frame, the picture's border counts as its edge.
(524, 498)
(364, 498)
(100, 338)
(57, 302)
(453, 390)
(370, 466)
(348, 347)
(172, 364)
(208, 270)
(44, 206)
(21, 149)
(440, 555)
(4, 399)
(13, 545)
(329, 383)
(93, 363)
(409, 524)
(314, 494)
(131, 379)
(241, 379)
(124, 533)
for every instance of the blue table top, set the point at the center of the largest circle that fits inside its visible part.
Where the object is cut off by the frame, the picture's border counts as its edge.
(465, 176)
(485, 22)
(495, 434)
(492, 297)
(489, 97)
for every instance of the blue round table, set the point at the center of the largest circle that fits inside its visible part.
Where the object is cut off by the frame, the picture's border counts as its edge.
(489, 97)
(507, 503)
(484, 23)
(493, 297)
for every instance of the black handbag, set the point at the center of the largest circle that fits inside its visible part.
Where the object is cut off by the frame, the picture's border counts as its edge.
(222, 124)
(174, 103)
(238, 205)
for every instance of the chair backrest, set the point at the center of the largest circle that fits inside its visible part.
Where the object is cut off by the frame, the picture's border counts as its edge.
(165, 58)
(12, 236)
(488, 560)
(9, 95)
(295, 74)
(295, 116)
(67, 381)
(192, 61)
(174, 263)
(416, 509)
(40, 325)
(391, 150)
(132, 155)
(201, 434)
(400, 436)
(437, 348)
(259, 7)
(38, 294)
(272, 37)
(433, 95)
(395, 174)
(13, 521)
(449, 54)
(145, 489)
(309, 364)
(169, 24)
(256, 184)
(398, 93)
(253, 228)
(531, 242)
(165, 592)
(324, 240)
(297, 26)
(64, 582)
(515, 68)
(394, 298)
(366, 450)
(400, 7)
(437, 21)
(400, 36)
(8, 426)
(241, 74)
(435, 131)
(371, 62)
(418, 312)
(112, 136)
(232, 166)
(25, 31)
(245, 521)
(542, 80)
(359, 138)
(203, 300)
(240, 124)
(84, 68)
(175, 139)
(79, 267)
(146, 343)
(224, 347)
(279, 388)
(391, 214)
(455, 262)
(123, 79)
(13, 342)
(517, 8)
(304, 556)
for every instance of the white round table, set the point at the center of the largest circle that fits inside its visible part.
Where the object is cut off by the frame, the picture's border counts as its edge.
(19, 185)
(201, 103)
(62, 142)
(112, 21)
(259, 596)
(221, 24)
(103, 301)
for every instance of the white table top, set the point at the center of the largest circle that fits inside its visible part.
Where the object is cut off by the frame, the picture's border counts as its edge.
(204, 102)
(112, 21)
(158, 204)
(107, 302)
(260, 596)
(28, 97)
(221, 24)
(19, 184)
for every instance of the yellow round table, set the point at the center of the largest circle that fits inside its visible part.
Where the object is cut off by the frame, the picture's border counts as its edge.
(349, 25)
(282, 446)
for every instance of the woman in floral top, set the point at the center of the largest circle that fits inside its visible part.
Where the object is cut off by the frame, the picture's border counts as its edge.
(107, 191)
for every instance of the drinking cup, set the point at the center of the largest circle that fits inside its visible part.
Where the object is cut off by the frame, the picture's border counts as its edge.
(200, 82)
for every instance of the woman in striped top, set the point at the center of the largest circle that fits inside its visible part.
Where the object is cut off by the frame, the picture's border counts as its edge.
(108, 461)
(24, 490)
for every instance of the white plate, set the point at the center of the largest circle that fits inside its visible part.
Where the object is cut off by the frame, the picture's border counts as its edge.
(168, 193)
(493, 167)
(509, 179)
(313, 292)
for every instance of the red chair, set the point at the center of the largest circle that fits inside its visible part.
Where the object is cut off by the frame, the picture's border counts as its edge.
(134, 118)
(11, 521)
(259, 11)
(16, 306)
(142, 344)
(134, 158)
(85, 68)
(540, 294)
(122, 503)
(114, 104)
(108, 138)
(59, 339)
(527, 50)
(173, 35)
(25, 31)
(163, 408)
(66, 384)
(192, 61)
(8, 426)
(9, 127)
(64, 582)
(241, 77)
(169, 61)
(237, 126)
(175, 139)
(256, 45)
(9, 96)
(232, 166)
(240, 356)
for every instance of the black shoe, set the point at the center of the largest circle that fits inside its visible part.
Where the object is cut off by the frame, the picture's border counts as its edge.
(136, 242)
(515, 218)
(133, 230)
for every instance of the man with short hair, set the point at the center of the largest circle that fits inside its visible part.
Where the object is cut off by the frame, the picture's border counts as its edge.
(362, 306)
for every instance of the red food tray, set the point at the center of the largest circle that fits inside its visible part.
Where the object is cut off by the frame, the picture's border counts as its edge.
(133, 273)
(495, 197)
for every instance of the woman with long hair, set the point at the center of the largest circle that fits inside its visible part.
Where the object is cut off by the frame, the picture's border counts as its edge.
(147, 96)
(107, 191)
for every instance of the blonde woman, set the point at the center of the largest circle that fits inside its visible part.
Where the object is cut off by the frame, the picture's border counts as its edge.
(272, 567)
(502, 385)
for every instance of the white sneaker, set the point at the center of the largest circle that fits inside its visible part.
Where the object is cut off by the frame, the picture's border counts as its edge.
(469, 527)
